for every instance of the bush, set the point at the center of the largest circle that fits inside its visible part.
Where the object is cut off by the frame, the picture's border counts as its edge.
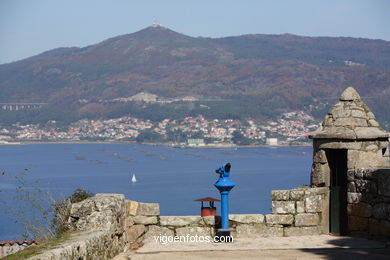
(62, 210)
(79, 195)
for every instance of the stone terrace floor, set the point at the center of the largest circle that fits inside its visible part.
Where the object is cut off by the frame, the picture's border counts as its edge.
(306, 247)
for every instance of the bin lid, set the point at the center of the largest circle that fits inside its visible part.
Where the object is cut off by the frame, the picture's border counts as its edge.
(207, 199)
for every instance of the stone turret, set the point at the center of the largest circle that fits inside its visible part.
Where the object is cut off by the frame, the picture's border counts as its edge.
(349, 125)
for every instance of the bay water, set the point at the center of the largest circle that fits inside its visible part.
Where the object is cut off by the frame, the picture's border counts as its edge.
(173, 177)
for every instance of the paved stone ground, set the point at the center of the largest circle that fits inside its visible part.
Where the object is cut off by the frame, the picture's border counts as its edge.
(307, 247)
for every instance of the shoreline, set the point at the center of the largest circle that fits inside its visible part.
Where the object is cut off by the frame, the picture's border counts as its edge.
(178, 146)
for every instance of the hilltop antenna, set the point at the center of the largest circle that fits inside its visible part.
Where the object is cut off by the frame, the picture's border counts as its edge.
(156, 24)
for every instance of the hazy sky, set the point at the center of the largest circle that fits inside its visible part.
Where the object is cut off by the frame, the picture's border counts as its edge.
(29, 27)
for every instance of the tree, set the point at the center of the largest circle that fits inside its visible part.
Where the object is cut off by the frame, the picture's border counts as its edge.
(239, 139)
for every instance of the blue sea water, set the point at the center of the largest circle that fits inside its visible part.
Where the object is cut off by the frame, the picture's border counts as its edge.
(173, 177)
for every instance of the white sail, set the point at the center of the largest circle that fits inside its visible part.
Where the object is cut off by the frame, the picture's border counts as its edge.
(133, 179)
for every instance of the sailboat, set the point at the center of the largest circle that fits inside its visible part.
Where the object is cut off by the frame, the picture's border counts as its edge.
(133, 179)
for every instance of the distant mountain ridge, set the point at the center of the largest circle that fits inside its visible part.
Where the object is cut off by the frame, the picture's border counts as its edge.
(271, 72)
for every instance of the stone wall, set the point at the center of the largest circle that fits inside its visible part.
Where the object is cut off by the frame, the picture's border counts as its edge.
(361, 154)
(369, 202)
(295, 212)
(101, 221)
(11, 247)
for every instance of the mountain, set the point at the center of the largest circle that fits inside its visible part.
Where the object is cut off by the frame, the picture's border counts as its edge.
(249, 75)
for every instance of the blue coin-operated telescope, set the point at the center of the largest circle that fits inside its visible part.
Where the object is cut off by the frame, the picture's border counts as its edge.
(224, 185)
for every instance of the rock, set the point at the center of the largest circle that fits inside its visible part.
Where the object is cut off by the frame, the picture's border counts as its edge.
(148, 209)
(313, 204)
(280, 194)
(135, 232)
(349, 94)
(273, 219)
(179, 221)
(145, 220)
(247, 218)
(301, 231)
(258, 230)
(131, 207)
(283, 207)
(154, 231)
(307, 220)
(193, 231)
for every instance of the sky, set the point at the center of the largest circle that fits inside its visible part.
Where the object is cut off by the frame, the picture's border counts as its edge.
(30, 27)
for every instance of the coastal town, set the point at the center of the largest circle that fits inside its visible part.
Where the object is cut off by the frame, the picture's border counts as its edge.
(289, 128)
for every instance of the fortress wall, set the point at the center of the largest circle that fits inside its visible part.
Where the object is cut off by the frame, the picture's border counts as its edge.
(369, 202)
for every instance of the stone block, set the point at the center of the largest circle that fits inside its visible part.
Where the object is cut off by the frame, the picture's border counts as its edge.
(320, 174)
(320, 156)
(247, 218)
(372, 148)
(362, 186)
(360, 209)
(297, 194)
(358, 113)
(380, 211)
(99, 212)
(350, 121)
(280, 195)
(145, 220)
(193, 231)
(384, 182)
(385, 228)
(354, 197)
(374, 227)
(180, 221)
(131, 207)
(283, 207)
(373, 123)
(301, 231)
(357, 223)
(210, 220)
(350, 145)
(274, 219)
(307, 220)
(148, 209)
(370, 115)
(300, 206)
(313, 203)
(370, 133)
(246, 230)
(129, 222)
(134, 232)
(154, 231)
(351, 187)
